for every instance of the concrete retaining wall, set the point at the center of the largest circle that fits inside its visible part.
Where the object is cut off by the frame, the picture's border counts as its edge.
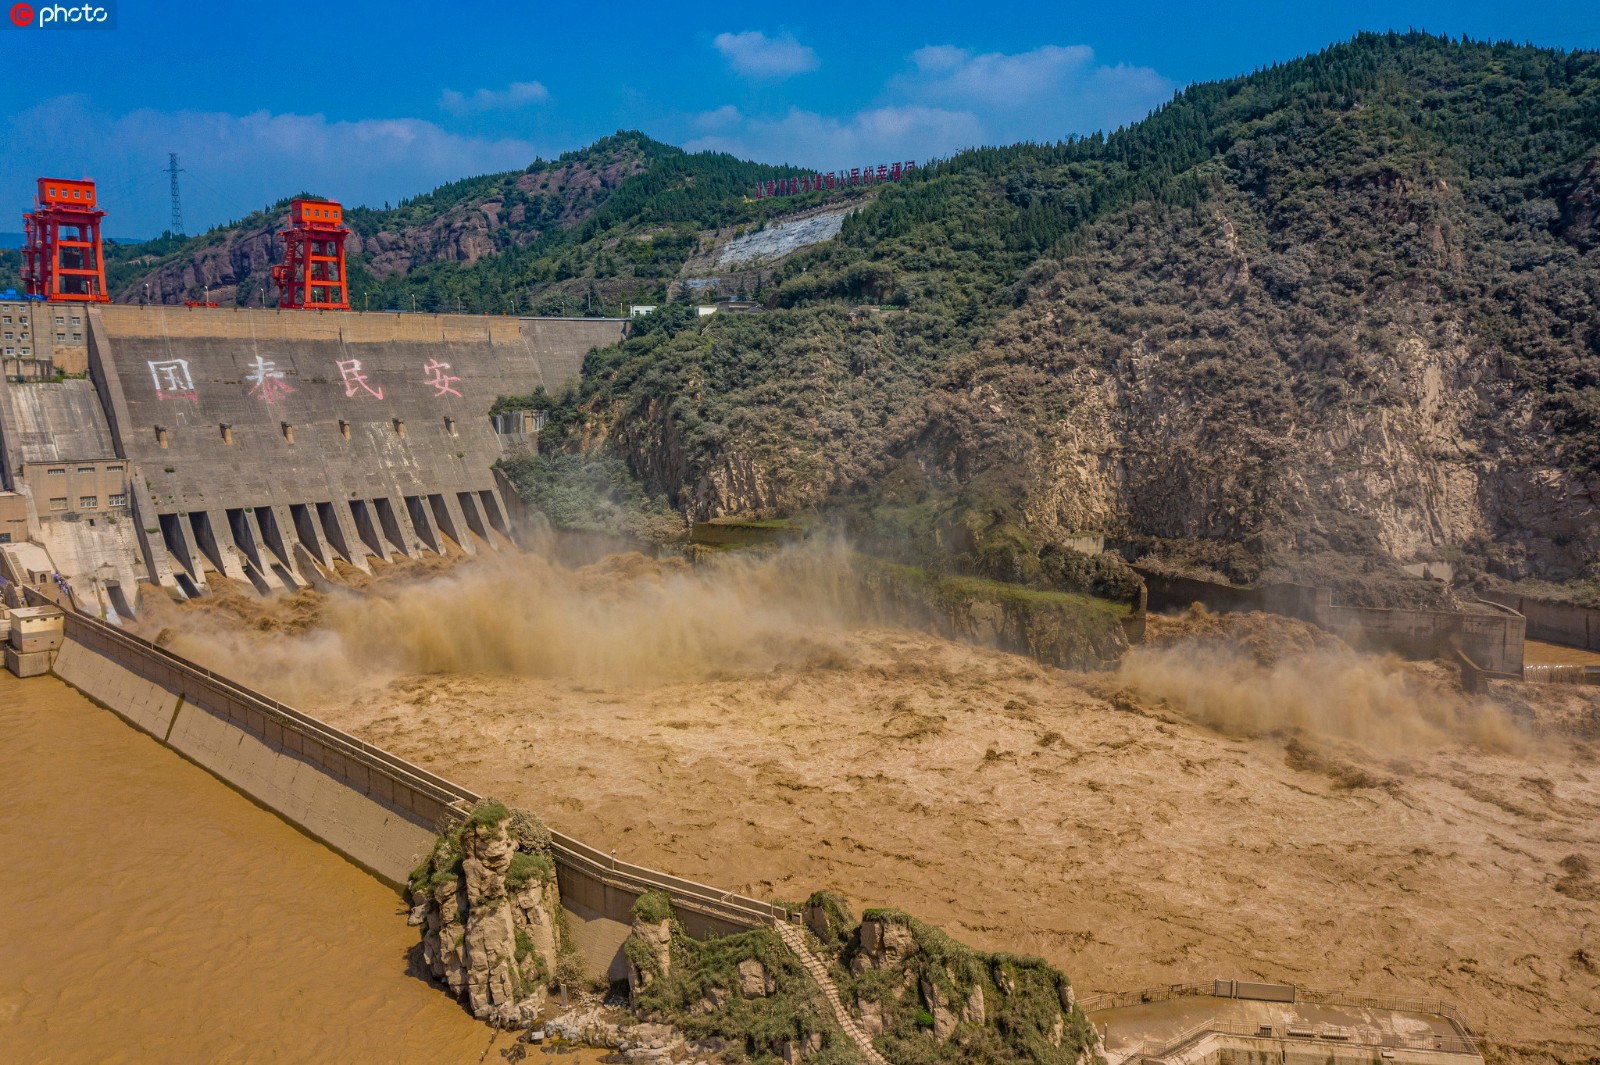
(379, 811)
(1563, 623)
(1493, 638)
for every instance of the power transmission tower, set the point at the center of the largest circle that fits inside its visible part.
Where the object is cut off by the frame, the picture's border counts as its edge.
(177, 206)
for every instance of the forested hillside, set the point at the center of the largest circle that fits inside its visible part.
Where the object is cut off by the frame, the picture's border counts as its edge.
(1333, 315)
(611, 222)
(1335, 311)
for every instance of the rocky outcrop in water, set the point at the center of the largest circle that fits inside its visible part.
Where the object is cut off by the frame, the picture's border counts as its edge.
(487, 901)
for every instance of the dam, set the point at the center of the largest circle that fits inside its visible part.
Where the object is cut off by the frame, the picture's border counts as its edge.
(205, 417)
(253, 443)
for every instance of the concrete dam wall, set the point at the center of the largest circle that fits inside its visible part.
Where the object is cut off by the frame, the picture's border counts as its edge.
(255, 442)
(379, 811)
(258, 434)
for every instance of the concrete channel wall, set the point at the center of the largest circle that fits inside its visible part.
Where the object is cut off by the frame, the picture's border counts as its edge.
(379, 811)
(1492, 638)
(1563, 623)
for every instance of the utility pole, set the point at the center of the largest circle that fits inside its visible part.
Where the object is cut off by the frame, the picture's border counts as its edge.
(177, 205)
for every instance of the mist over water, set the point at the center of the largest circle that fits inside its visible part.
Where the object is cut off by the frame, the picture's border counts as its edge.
(632, 620)
(1376, 701)
(627, 619)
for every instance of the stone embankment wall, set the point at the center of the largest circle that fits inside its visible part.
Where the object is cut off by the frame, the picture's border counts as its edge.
(1059, 629)
(1564, 623)
(379, 811)
(1492, 638)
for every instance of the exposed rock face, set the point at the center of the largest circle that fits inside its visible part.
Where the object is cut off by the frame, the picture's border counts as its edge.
(795, 1050)
(754, 981)
(1171, 383)
(777, 241)
(735, 484)
(489, 917)
(652, 957)
(972, 1001)
(241, 261)
(945, 1019)
(884, 945)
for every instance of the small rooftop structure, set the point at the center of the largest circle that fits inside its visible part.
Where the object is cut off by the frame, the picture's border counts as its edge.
(312, 274)
(61, 255)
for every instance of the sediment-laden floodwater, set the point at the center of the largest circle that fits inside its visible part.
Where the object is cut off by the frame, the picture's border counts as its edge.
(154, 914)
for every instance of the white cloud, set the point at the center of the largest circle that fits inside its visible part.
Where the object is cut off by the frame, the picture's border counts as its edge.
(517, 94)
(235, 163)
(950, 73)
(1047, 93)
(755, 55)
(947, 98)
(806, 138)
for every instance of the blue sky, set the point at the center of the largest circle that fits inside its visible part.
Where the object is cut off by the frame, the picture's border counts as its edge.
(391, 99)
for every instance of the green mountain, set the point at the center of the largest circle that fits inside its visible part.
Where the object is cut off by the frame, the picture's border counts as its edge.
(613, 222)
(1330, 316)
(1320, 321)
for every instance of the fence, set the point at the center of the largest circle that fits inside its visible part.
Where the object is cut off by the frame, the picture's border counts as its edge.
(202, 714)
(1325, 1035)
(1115, 1000)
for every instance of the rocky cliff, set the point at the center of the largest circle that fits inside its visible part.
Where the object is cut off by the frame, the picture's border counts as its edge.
(1333, 313)
(487, 902)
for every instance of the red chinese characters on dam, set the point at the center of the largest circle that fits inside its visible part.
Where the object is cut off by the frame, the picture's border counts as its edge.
(440, 380)
(354, 380)
(172, 379)
(267, 381)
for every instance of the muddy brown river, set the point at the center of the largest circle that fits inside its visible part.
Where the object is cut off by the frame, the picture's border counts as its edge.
(154, 914)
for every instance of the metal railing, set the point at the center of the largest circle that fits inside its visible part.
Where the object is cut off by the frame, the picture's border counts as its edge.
(1400, 1003)
(1113, 1000)
(574, 854)
(414, 776)
(738, 909)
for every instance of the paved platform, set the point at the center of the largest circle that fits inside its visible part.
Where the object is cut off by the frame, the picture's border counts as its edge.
(1148, 1028)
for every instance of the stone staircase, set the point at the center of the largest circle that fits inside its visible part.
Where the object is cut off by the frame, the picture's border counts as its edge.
(795, 940)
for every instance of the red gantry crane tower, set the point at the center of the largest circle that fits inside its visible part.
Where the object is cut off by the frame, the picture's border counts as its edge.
(61, 257)
(312, 272)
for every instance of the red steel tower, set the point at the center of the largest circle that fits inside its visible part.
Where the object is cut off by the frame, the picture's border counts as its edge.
(312, 272)
(61, 257)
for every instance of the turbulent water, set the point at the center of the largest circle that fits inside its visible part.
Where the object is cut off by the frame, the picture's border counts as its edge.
(153, 914)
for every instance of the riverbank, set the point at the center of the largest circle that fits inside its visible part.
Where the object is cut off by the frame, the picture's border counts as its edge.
(161, 916)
